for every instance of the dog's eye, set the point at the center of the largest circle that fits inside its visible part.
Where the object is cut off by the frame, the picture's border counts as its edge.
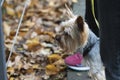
(65, 33)
(57, 37)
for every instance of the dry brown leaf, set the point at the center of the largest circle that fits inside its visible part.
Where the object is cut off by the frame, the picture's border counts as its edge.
(11, 70)
(33, 44)
(43, 32)
(22, 33)
(30, 70)
(18, 10)
(12, 34)
(18, 63)
(46, 38)
(7, 28)
(12, 78)
(14, 56)
(33, 41)
(34, 3)
(10, 11)
(8, 45)
(51, 69)
(33, 35)
(28, 14)
(35, 66)
(29, 23)
(24, 29)
(60, 64)
(54, 57)
(27, 66)
(45, 52)
(40, 19)
(50, 34)
(18, 14)
(10, 64)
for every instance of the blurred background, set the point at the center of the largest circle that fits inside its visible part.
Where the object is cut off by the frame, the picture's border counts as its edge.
(35, 55)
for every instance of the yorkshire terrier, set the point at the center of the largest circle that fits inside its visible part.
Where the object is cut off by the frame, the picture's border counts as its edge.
(75, 34)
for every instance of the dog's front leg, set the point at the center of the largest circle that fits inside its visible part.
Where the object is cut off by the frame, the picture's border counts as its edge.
(96, 66)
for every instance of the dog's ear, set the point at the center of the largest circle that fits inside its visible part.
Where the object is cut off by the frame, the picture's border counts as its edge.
(80, 23)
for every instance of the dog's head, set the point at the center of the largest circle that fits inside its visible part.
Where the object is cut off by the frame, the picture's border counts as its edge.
(72, 34)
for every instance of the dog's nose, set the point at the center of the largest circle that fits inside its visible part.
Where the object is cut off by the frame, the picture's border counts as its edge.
(57, 37)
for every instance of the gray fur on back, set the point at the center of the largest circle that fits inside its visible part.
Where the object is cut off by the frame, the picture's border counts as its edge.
(93, 58)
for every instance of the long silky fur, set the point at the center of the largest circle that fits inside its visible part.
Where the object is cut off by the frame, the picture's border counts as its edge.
(76, 38)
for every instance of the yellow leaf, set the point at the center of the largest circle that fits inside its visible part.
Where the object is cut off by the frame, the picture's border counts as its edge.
(51, 69)
(34, 40)
(34, 3)
(35, 66)
(54, 57)
(60, 64)
(12, 78)
(6, 28)
(18, 14)
(10, 70)
(33, 44)
(10, 11)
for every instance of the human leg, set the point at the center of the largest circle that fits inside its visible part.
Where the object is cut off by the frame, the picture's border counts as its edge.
(109, 18)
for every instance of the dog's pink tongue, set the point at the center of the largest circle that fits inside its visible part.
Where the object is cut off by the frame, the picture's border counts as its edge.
(74, 60)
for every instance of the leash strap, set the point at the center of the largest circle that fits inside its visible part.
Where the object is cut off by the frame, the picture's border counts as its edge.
(93, 12)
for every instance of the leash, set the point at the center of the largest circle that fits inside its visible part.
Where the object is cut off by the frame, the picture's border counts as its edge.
(93, 12)
(27, 3)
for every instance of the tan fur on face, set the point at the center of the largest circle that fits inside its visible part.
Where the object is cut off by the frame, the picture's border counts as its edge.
(84, 35)
(75, 38)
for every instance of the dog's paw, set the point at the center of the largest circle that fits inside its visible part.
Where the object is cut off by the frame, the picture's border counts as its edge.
(98, 76)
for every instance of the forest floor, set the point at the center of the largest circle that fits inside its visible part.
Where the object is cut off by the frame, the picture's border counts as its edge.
(35, 56)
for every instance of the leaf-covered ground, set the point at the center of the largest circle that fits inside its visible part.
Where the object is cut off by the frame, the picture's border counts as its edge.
(35, 55)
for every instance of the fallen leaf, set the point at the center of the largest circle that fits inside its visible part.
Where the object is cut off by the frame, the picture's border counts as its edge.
(54, 57)
(34, 34)
(18, 11)
(30, 70)
(35, 66)
(33, 44)
(12, 34)
(10, 11)
(46, 77)
(45, 52)
(60, 64)
(12, 78)
(10, 64)
(51, 69)
(29, 23)
(46, 38)
(22, 33)
(10, 70)
(6, 28)
(34, 3)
